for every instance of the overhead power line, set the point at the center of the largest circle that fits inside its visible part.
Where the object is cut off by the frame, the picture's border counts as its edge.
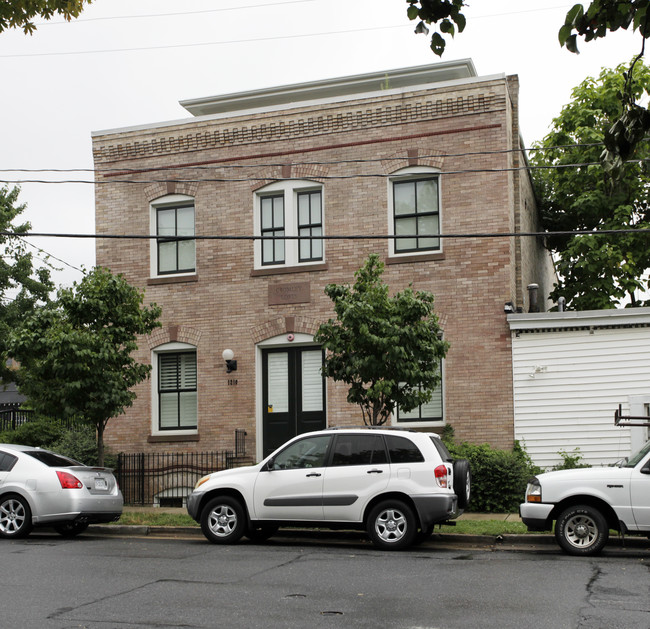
(543, 234)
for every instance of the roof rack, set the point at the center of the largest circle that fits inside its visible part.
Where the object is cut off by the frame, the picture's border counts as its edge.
(366, 427)
(630, 420)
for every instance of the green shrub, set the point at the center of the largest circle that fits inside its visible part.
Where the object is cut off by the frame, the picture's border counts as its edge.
(570, 460)
(499, 477)
(39, 433)
(80, 445)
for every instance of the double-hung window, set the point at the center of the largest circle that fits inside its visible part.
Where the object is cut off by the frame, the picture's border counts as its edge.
(175, 244)
(430, 412)
(289, 222)
(177, 390)
(415, 216)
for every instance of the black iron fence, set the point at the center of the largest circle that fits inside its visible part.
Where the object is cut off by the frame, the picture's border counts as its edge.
(14, 417)
(167, 478)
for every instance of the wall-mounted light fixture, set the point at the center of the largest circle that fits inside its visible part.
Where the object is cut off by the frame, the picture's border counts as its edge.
(508, 307)
(228, 355)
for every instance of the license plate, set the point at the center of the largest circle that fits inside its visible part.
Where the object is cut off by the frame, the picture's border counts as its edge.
(100, 483)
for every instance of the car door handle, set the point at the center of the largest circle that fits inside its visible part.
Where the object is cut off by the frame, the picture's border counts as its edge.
(375, 472)
(313, 474)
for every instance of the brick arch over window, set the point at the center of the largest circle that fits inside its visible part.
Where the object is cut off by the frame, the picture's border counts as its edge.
(412, 157)
(157, 190)
(284, 325)
(174, 334)
(314, 172)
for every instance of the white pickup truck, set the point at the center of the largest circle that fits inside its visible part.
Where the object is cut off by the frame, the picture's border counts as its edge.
(586, 503)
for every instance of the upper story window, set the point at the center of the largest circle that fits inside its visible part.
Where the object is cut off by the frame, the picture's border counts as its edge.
(415, 211)
(293, 209)
(175, 249)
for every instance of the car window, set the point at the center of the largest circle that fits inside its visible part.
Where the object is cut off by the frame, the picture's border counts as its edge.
(358, 450)
(402, 450)
(637, 456)
(7, 462)
(51, 459)
(445, 455)
(308, 452)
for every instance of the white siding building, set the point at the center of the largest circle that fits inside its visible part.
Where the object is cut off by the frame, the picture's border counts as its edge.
(571, 370)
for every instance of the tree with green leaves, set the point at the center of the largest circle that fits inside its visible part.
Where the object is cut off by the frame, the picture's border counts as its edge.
(20, 13)
(601, 17)
(576, 191)
(22, 284)
(76, 353)
(387, 349)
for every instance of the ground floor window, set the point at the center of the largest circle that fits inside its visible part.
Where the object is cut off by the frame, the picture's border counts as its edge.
(177, 390)
(429, 412)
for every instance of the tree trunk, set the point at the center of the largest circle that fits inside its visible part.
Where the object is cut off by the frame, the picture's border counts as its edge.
(100, 443)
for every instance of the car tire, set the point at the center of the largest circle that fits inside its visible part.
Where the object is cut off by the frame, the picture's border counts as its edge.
(581, 530)
(223, 520)
(15, 517)
(71, 529)
(261, 533)
(462, 482)
(391, 525)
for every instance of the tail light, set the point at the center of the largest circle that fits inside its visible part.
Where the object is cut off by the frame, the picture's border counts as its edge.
(68, 481)
(441, 476)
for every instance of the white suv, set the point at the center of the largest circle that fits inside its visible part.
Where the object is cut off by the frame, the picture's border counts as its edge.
(586, 503)
(395, 484)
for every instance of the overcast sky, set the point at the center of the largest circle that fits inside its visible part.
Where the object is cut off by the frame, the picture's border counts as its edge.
(129, 62)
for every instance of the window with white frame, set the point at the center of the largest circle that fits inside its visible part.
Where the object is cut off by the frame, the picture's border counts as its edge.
(175, 375)
(174, 250)
(430, 412)
(291, 209)
(414, 209)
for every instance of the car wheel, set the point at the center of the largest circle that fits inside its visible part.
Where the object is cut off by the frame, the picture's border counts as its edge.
(261, 533)
(15, 517)
(223, 520)
(581, 530)
(71, 529)
(392, 525)
(462, 482)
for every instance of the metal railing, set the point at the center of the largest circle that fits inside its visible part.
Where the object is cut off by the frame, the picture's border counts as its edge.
(166, 478)
(13, 418)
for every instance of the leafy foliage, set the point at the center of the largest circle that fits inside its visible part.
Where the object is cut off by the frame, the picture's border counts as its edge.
(76, 352)
(579, 192)
(388, 349)
(447, 12)
(22, 285)
(499, 477)
(570, 460)
(20, 13)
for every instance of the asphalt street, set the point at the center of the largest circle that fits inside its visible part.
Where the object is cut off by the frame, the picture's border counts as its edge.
(130, 582)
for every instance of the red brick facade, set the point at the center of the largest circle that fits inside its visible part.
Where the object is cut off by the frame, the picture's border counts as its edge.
(466, 129)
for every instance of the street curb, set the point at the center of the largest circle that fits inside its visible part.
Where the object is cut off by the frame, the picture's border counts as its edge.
(496, 541)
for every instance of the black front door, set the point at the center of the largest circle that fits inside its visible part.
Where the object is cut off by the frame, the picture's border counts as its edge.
(293, 393)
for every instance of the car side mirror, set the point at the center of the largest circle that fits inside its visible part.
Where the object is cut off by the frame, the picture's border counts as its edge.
(646, 468)
(270, 465)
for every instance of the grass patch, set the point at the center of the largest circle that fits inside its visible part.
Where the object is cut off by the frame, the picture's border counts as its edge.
(463, 527)
(484, 527)
(142, 518)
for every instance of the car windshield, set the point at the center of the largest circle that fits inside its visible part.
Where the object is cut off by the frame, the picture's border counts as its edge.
(52, 460)
(635, 458)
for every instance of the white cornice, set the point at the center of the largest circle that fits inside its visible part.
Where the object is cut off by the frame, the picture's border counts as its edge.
(582, 319)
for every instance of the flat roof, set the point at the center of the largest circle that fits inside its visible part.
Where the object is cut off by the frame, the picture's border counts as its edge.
(332, 88)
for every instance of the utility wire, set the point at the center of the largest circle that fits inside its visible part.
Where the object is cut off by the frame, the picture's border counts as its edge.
(300, 163)
(263, 177)
(543, 234)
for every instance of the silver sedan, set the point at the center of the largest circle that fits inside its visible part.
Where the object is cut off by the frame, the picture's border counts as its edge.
(42, 488)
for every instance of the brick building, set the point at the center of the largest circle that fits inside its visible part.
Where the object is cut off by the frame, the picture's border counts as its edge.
(429, 151)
